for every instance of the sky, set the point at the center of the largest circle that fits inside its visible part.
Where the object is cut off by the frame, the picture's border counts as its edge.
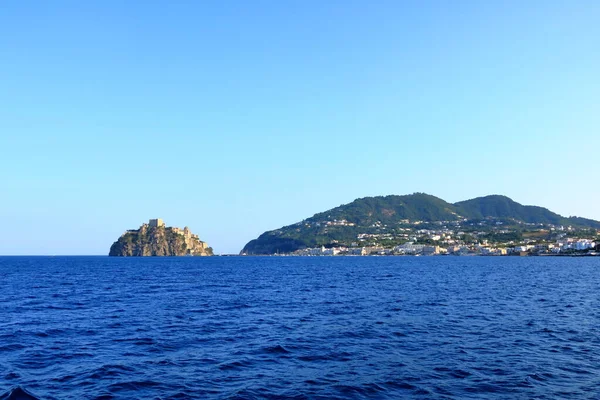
(237, 117)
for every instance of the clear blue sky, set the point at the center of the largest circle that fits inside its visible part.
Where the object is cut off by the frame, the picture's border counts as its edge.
(236, 117)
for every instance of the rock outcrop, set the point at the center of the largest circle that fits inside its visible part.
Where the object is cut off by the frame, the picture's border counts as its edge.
(156, 239)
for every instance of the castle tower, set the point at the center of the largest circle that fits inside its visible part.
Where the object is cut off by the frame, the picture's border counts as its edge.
(155, 223)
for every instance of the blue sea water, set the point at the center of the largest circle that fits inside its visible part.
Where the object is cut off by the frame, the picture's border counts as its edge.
(284, 327)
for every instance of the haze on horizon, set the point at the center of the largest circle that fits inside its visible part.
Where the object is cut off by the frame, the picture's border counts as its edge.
(238, 117)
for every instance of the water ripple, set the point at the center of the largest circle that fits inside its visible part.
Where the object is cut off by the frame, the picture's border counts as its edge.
(300, 328)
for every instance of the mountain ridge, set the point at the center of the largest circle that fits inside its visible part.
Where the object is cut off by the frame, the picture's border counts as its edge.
(367, 215)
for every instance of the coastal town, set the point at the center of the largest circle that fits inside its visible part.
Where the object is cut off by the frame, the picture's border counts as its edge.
(488, 237)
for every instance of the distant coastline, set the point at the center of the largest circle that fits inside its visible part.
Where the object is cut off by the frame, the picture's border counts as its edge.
(588, 254)
(421, 224)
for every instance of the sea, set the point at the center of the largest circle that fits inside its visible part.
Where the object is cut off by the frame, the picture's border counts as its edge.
(300, 327)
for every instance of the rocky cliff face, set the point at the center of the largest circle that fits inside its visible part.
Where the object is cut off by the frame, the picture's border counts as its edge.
(159, 241)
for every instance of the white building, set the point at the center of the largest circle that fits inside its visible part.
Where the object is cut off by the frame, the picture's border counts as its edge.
(409, 248)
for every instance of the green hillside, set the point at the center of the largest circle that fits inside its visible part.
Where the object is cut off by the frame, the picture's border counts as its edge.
(502, 207)
(392, 209)
(392, 218)
(496, 206)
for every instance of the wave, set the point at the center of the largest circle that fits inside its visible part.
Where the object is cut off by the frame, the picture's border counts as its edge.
(18, 393)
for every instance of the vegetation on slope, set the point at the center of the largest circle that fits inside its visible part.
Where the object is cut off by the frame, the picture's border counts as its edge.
(392, 209)
(391, 214)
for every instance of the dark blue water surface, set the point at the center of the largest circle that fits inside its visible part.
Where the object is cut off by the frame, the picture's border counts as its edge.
(339, 327)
